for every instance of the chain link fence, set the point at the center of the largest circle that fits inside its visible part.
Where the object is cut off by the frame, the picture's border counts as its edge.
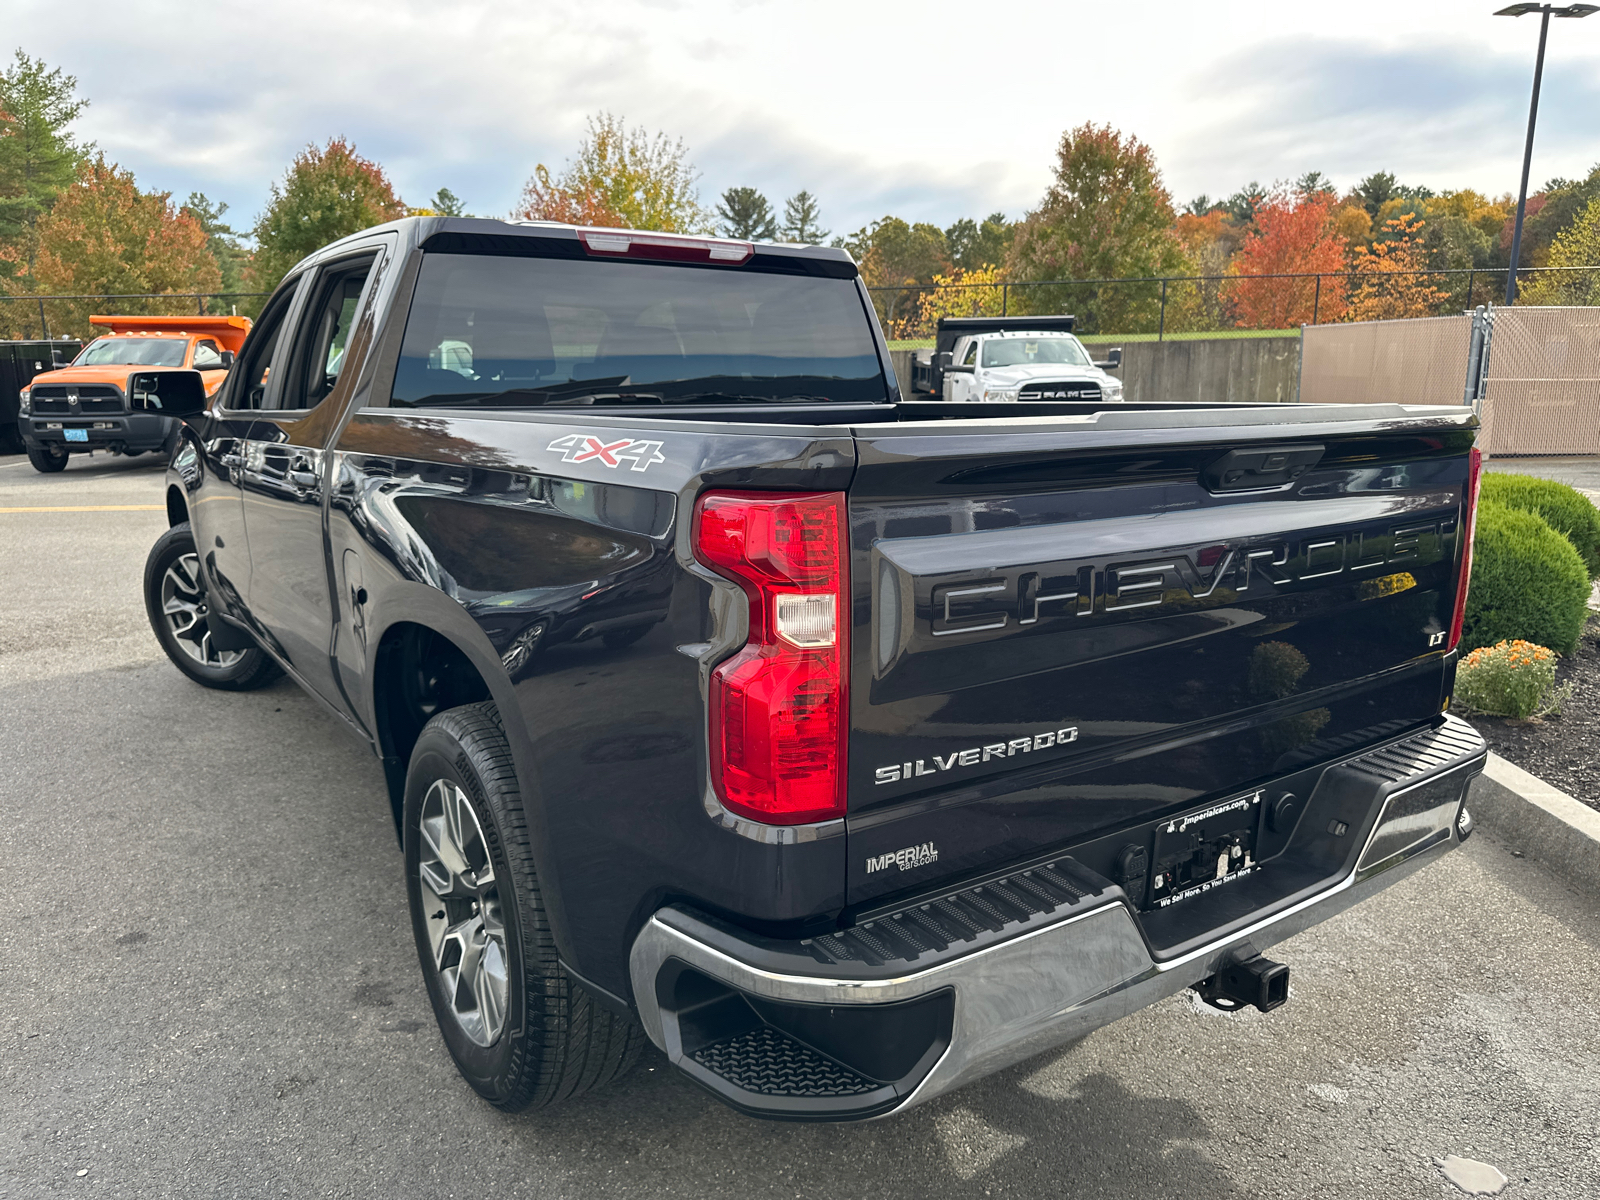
(1419, 361)
(1542, 392)
(1532, 372)
(1188, 306)
(25, 318)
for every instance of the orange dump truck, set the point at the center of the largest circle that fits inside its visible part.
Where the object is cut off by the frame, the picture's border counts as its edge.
(109, 398)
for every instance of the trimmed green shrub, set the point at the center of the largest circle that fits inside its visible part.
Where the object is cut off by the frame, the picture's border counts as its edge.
(1510, 679)
(1567, 510)
(1528, 583)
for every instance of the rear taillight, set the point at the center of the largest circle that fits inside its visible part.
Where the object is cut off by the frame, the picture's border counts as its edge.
(778, 706)
(1469, 525)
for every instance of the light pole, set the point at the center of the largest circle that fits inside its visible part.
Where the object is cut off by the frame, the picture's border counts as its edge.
(1547, 11)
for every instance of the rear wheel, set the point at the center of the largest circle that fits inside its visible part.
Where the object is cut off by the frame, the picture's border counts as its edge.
(176, 600)
(522, 1033)
(47, 459)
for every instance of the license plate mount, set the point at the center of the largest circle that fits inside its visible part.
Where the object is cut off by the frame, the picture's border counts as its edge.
(1204, 849)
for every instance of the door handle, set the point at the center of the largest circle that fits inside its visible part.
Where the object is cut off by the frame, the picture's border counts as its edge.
(305, 479)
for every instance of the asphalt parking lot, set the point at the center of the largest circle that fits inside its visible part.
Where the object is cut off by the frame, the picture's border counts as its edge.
(210, 989)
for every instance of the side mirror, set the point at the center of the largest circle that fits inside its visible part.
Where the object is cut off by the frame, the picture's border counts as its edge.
(1113, 360)
(170, 393)
(227, 358)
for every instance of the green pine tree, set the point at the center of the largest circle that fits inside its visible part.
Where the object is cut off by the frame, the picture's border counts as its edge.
(800, 220)
(447, 204)
(39, 158)
(745, 213)
(221, 239)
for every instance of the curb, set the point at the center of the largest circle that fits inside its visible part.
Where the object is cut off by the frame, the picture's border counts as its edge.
(1540, 819)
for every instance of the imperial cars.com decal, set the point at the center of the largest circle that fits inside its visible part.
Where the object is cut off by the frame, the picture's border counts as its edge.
(908, 859)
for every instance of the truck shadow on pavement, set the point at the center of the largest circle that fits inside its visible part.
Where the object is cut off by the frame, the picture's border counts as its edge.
(997, 1137)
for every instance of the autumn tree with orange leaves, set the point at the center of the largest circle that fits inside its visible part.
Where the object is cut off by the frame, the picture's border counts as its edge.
(1294, 235)
(105, 236)
(1391, 279)
(621, 177)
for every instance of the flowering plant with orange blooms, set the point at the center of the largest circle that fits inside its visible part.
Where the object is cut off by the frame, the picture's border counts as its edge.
(1510, 679)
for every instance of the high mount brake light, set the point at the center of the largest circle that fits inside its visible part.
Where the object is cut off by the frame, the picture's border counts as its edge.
(626, 243)
(1469, 526)
(778, 711)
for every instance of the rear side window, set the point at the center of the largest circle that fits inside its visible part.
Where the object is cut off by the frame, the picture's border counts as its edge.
(325, 332)
(530, 332)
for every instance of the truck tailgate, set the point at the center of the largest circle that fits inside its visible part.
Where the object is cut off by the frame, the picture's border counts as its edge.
(1067, 625)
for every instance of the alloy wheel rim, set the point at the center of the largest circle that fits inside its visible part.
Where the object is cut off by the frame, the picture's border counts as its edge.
(188, 613)
(461, 901)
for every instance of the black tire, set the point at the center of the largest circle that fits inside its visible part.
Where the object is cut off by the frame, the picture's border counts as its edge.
(233, 671)
(553, 1040)
(44, 459)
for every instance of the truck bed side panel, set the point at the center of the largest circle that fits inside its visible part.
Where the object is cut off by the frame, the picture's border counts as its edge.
(575, 566)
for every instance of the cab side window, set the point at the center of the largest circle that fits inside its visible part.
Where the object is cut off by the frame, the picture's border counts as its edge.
(324, 334)
(970, 359)
(207, 356)
(250, 380)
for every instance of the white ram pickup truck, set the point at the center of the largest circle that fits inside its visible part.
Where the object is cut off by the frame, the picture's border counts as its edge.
(988, 359)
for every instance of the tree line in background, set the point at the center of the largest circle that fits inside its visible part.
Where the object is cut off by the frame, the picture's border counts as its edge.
(1381, 249)
(73, 222)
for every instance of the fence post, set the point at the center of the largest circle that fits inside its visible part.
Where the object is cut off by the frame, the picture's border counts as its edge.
(1316, 307)
(1470, 276)
(44, 326)
(1478, 380)
(1005, 298)
(200, 305)
(1300, 359)
(1161, 330)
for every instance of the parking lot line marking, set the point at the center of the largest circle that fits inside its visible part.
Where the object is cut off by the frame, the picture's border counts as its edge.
(89, 508)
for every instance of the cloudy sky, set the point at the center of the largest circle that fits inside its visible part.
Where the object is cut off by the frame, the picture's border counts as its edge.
(931, 111)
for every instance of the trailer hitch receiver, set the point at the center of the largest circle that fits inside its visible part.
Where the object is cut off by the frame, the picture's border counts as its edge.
(1246, 978)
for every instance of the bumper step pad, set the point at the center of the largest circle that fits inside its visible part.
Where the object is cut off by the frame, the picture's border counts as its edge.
(769, 1063)
(1424, 753)
(965, 919)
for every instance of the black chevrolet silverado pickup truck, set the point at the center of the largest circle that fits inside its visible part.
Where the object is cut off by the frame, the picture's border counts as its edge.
(849, 749)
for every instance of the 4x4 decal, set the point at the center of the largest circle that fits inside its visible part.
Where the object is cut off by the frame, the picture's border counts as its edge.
(583, 447)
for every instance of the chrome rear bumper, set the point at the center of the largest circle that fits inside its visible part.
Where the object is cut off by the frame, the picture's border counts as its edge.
(1012, 999)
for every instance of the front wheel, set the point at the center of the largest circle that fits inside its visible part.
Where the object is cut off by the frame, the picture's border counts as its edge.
(47, 459)
(522, 1033)
(179, 607)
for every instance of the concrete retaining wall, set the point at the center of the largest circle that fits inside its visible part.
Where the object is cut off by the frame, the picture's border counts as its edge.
(1210, 370)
